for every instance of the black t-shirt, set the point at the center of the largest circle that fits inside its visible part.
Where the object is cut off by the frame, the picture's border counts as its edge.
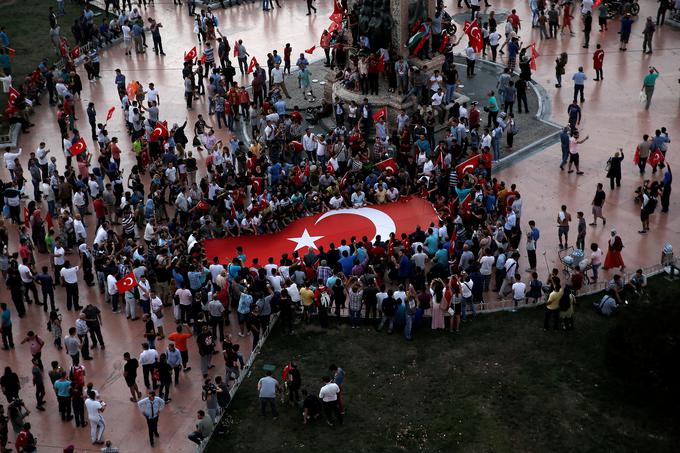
(312, 404)
(598, 201)
(130, 368)
(389, 306)
(206, 344)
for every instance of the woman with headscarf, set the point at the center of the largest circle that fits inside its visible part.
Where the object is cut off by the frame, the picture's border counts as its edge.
(614, 169)
(614, 258)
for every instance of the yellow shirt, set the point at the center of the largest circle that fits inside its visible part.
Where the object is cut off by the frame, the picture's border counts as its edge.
(554, 300)
(307, 296)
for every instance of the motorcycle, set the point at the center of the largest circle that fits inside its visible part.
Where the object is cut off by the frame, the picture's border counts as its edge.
(616, 7)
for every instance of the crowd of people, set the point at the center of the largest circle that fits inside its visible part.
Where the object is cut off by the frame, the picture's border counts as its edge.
(92, 222)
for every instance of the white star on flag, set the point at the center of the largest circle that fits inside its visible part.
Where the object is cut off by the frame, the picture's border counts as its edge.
(305, 241)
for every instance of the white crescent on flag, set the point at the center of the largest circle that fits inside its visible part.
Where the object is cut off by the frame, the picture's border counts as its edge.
(383, 223)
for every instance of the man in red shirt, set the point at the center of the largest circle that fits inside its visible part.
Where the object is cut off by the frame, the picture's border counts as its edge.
(180, 338)
(99, 210)
(598, 61)
(514, 20)
(25, 441)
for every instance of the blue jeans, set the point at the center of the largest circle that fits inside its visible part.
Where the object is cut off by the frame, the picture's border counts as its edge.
(450, 92)
(596, 267)
(409, 326)
(265, 5)
(463, 310)
(565, 156)
(496, 143)
(354, 318)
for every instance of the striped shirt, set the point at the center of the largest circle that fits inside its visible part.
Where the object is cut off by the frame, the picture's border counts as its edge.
(209, 54)
(355, 299)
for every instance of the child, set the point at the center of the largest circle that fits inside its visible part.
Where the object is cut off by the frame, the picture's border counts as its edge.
(535, 286)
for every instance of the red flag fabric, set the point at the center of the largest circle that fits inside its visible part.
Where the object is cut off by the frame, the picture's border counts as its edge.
(330, 169)
(655, 158)
(251, 66)
(306, 172)
(236, 49)
(468, 166)
(534, 56)
(597, 3)
(75, 52)
(380, 113)
(636, 157)
(333, 26)
(444, 43)
(310, 50)
(49, 221)
(381, 64)
(191, 54)
(466, 204)
(27, 217)
(336, 17)
(109, 114)
(78, 147)
(474, 34)
(63, 47)
(12, 94)
(388, 165)
(440, 161)
(11, 52)
(204, 58)
(333, 226)
(126, 283)
(160, 131)
(258, 185)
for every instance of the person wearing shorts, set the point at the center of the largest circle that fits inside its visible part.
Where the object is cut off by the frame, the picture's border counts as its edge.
(563, 219)
(573, 152)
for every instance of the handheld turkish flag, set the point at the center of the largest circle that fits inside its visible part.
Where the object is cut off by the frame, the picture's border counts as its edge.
(63, 46)
(204, 58)
(13, 95)
(75, 52)
(50, 222)
(444, 43)
(11, 52)
(109, 114)
(655, 158)
(189, 56)
(236, 48)
(466, 204)
(597, 3)
(381, 64)
(636, 157)
(307, 170)
(126, 283)
(474, 34)
(310, 50)
(388, 165)
(534, 56)
(440, 161)
(160, 131)
(258, 185)
(330, 169)
(380, 113)
(78, 147)
(333, 26)
(252, 64)
(332, 226)
(336, 17)
(468, 166)
(27, 217)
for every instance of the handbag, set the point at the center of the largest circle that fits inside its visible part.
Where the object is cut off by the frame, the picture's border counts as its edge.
(196, 141)
(643, 96)
(451, 311)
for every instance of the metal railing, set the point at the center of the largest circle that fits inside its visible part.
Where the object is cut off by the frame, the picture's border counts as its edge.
(245, 373)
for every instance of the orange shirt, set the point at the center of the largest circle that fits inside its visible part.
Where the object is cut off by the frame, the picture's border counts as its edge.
(180, 339)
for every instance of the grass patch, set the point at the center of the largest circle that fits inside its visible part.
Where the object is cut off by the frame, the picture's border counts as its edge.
(28, 26)
(502, 385)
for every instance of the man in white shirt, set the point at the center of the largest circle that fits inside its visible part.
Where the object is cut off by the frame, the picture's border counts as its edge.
(152, 94)
(329, 398)
(79, 228)
(518, 291)
(470, 57)
(277, 76)
(9, 161)
(41, 153)
(94, 414)
(147, 359)
(69, 277)
(438, 104)
(466, 285)
(149, 232)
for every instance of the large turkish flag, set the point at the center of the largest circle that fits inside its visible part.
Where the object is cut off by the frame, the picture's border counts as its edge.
(332, 226)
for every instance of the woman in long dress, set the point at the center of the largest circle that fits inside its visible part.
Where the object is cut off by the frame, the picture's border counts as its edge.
(437, 291)
(614, 258)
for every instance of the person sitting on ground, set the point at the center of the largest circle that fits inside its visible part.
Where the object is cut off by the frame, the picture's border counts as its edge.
(311, 407)
(606, 306)
(638, 282)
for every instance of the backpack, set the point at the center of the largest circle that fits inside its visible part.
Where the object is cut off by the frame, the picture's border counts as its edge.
(325, 300)
(77, 375)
